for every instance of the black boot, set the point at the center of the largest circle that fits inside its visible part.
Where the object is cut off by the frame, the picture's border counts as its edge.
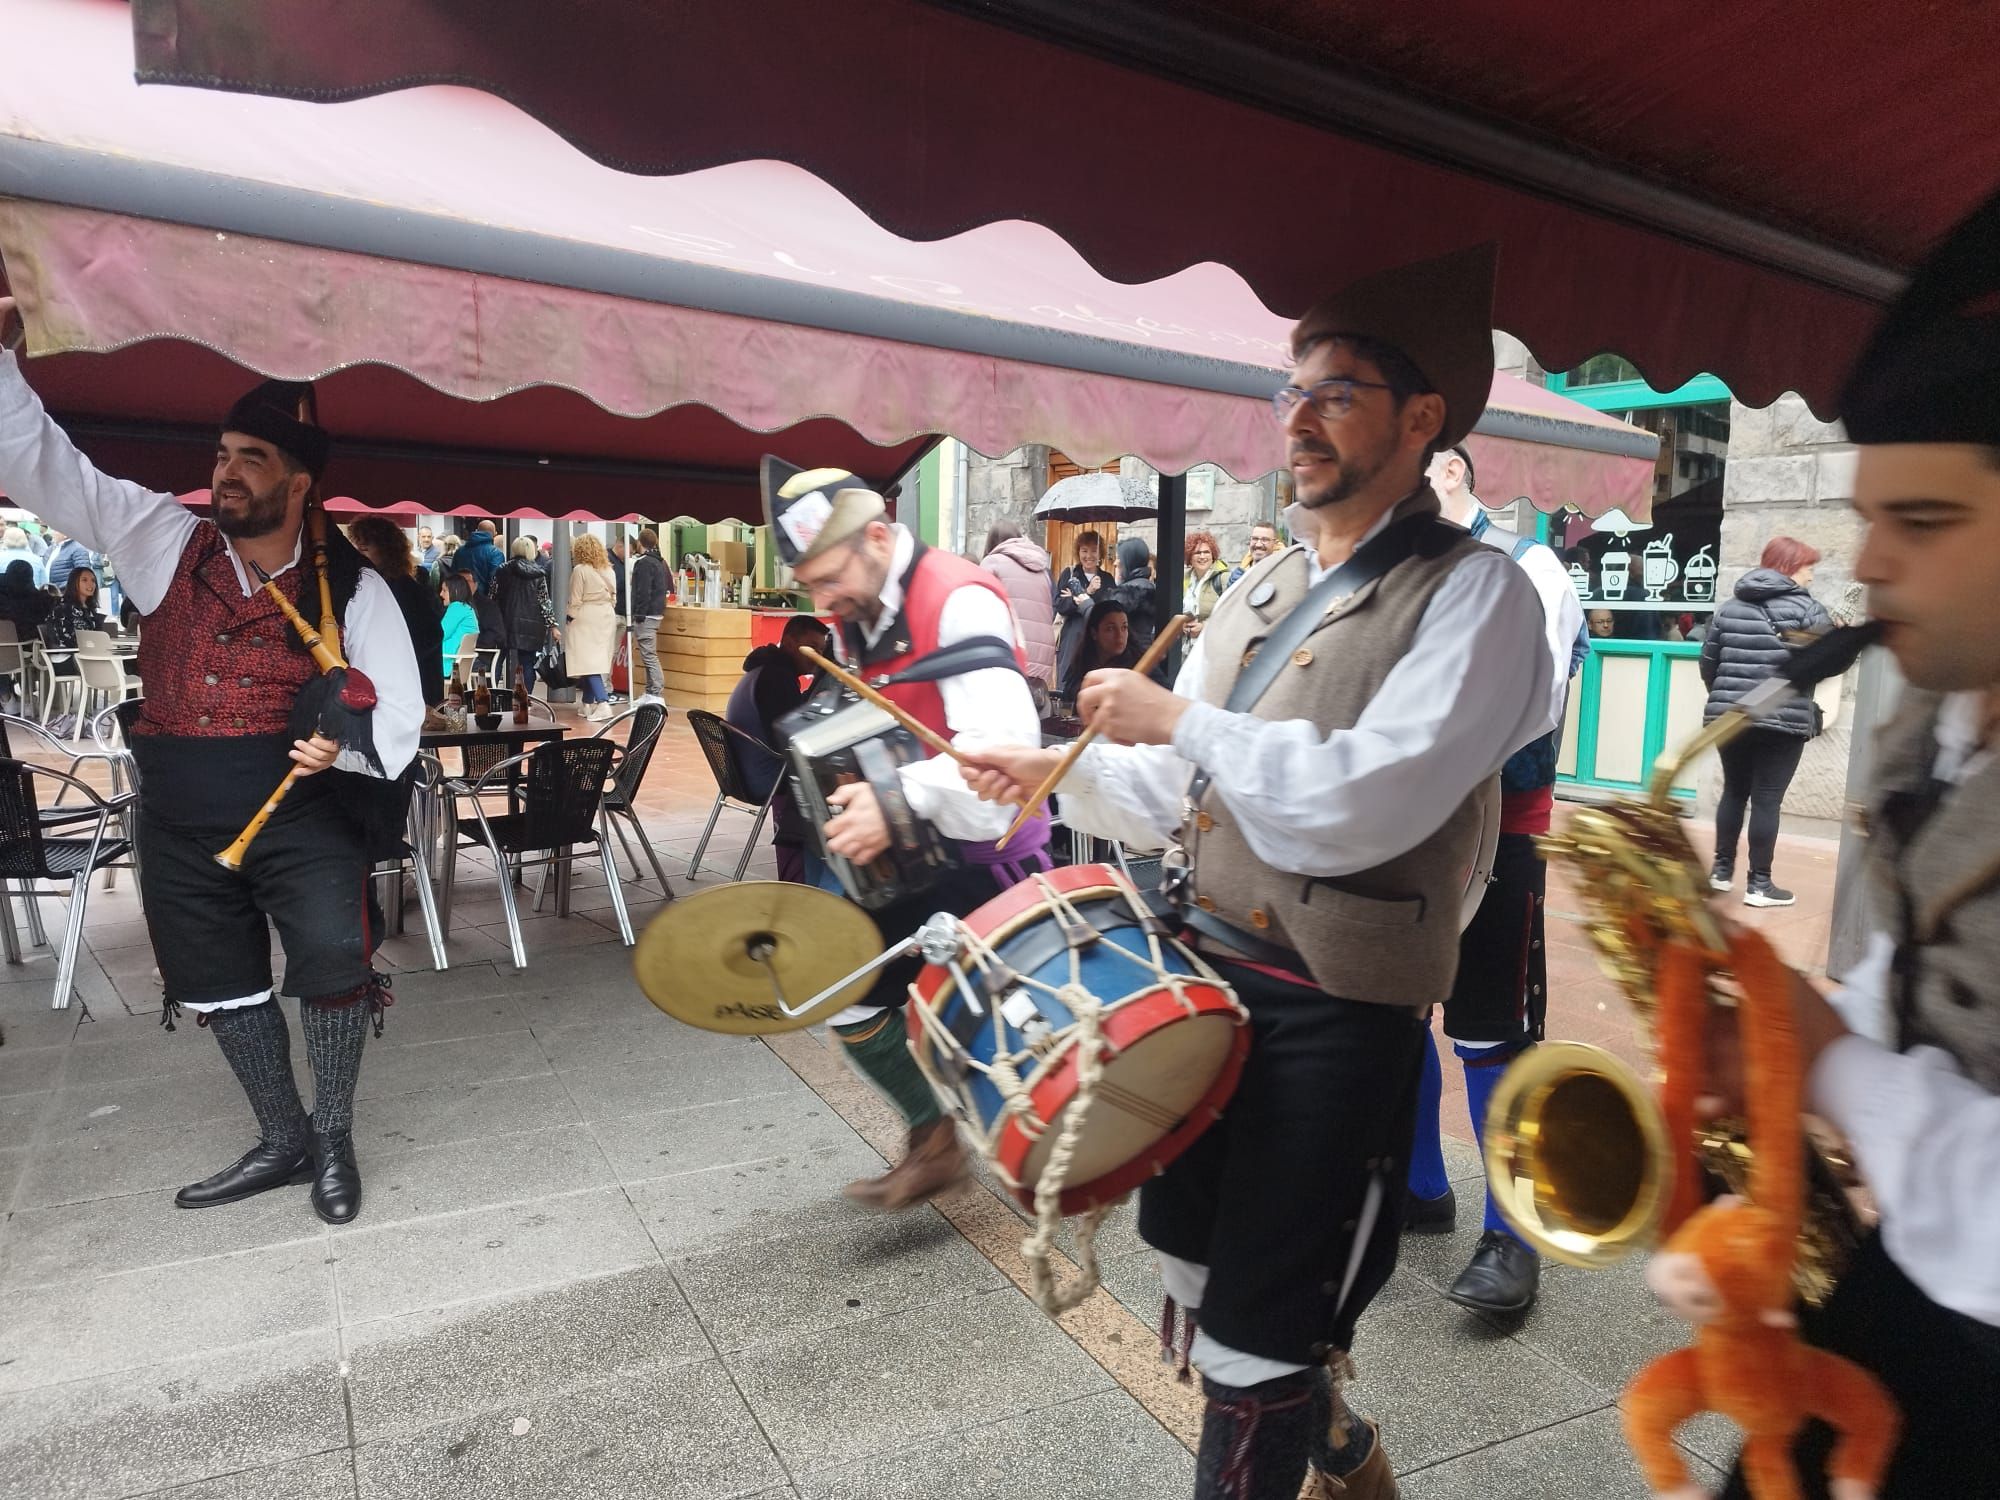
(1503, 1277)
(1430, 1215)
(258, 1170)
(336, 1194)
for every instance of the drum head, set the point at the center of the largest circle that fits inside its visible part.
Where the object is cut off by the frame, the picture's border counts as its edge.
(698, 960)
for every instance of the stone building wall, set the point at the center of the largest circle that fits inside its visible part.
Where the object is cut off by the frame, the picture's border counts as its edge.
(1790, 474)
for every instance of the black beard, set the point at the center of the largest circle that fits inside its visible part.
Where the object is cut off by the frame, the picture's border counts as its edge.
(1353, 479)
(262, 514)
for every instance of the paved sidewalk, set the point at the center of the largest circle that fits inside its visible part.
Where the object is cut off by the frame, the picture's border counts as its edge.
(605, 1255)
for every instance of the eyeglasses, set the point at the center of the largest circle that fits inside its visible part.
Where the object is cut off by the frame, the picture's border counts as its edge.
(1331, 399)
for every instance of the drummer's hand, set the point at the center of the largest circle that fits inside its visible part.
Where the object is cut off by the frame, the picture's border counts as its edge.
(1816, 1026)
(1129, 707)
(315, 755)
(1007, 773)
(860, 832)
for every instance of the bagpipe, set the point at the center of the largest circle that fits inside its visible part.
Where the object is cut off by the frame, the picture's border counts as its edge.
(339, 703)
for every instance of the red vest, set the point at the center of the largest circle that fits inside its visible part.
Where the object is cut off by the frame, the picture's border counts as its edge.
(933, 574)
(215, 663)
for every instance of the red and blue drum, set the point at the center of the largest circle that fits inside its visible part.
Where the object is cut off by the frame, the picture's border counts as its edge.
(1037, 969)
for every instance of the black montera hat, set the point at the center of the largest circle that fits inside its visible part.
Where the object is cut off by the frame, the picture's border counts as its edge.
(810, 510)
(1931, 374)
(271, 412)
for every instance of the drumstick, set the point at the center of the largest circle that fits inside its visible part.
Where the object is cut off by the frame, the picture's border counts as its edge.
(1146, 664)
(847, 679)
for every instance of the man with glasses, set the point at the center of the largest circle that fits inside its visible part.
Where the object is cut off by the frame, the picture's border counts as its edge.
(897, 601)
(1320, 825)
(1263, 542)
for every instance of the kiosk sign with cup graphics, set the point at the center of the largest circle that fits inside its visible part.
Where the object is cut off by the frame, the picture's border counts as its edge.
(1657, 568)
(1698, 578)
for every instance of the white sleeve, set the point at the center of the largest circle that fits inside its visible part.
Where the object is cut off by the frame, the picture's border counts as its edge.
(1562, 614)
(1862, 1000)
(1463, 698)
(1927, 1140)
(377, 644)
(142, 531)
(985, 708)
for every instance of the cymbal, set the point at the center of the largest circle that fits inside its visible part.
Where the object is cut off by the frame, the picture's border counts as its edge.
(699, 959)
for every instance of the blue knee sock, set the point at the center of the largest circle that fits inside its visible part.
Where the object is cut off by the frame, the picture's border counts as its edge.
(1427, 1175)
(1483, 1067)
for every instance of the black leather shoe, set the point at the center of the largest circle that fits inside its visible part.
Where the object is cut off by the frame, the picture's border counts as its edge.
(1503, 1277)
(336, 1194)
(1430, 1215)
(258, 1170)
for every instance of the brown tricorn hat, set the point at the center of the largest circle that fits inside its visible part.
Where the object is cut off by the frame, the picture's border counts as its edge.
(1438, 313)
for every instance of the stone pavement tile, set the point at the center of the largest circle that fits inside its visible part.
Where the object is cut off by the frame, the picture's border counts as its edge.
(708, 1077)
(422, 1018)
(1103, 1447)
(21, 1116)
(13, 1161)
(145, 1051)
(176, 1423)
(78, 1329)
(320, 1476)
(31, 1070)
(108, 1235)
(837, 1398)
(31, 1022)
(637, 1034)
(463, 1112)
(1713, 1438)
(687, 1437)
(788, 1121)
(548, 933)
(431, 1180)
(1442, 1383)
(835, 1276)
(1584, 1458)
(432, 1262)
(134, 1104)
(467, 946)
(122, 932)
(1599, 1325)
(454, 1362)
(739, 1205)
(109, 1163)
(1134, 1279)
(431, 1065)
(34, 982)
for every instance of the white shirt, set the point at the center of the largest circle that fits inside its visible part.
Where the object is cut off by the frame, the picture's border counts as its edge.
(1463, 698)
(1926, 1137)
(1562, 615)
(982, 709)
(143, 532)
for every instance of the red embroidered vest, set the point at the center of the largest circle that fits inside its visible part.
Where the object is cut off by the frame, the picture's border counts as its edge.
(932, 575)
(215, 663)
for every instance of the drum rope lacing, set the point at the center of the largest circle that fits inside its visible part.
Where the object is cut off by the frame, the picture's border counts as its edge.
(1090, 1051)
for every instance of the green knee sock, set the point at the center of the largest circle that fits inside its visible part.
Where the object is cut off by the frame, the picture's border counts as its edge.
(881, 1054)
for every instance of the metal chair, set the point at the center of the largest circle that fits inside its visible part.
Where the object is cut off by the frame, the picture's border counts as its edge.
(621, 798)
(562, 803)
(103, 669)
(29, 853)
(19, 734)
(45, 664)
(14, 663)
(414, 861)
(719, 740)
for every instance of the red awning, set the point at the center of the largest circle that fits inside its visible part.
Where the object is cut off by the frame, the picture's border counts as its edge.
(500, 325)
(1729, 189)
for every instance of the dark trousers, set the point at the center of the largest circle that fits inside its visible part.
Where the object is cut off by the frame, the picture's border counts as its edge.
(1271, 1197)
(1757, 766)
(1500, 992)
(1942, 1368)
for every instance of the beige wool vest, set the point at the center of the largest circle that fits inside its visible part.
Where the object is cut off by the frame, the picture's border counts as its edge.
(1949, 874)
(1387, 935)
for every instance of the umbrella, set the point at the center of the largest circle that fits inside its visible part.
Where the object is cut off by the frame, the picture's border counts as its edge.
(1096, 497)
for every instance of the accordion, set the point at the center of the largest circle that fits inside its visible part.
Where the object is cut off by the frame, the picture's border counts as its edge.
(834, 739)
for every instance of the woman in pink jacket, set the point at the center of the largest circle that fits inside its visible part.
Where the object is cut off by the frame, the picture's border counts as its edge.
(1023, 571)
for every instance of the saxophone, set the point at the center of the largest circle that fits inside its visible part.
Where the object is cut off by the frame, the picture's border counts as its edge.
(1578, 1156)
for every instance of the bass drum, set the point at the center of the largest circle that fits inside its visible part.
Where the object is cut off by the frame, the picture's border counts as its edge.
(1479, 874)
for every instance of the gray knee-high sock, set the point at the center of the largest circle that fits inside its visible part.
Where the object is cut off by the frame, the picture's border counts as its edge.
(334, 1037)
(258, 1045)
(1255, 1439)
(1341, 1441)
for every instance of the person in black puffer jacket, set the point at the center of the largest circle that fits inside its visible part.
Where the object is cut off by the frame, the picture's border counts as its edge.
(1749, 639)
